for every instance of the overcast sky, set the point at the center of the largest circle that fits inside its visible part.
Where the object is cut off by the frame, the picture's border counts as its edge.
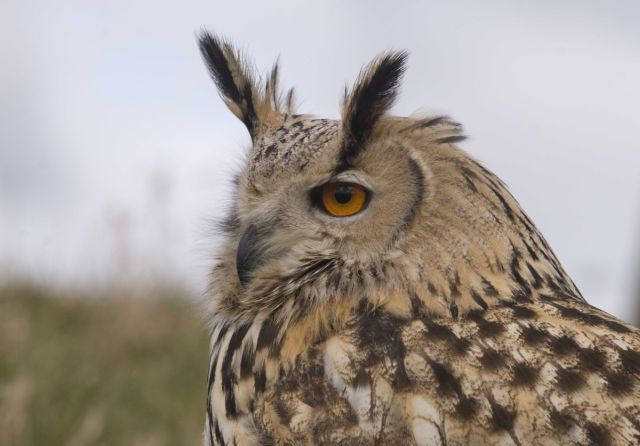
(115, 150)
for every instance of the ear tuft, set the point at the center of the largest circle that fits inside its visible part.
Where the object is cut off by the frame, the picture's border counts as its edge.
(372, 95)
(290, 102)
(232, 77)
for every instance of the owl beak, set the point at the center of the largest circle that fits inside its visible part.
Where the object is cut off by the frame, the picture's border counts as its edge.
(249, 254)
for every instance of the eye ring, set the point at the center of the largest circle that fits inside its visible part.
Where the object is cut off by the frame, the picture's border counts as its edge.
(342, 199)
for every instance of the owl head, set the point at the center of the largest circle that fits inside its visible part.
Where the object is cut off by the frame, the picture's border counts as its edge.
(325, 209)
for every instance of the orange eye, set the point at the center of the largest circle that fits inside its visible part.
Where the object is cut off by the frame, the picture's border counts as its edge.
(343, 199)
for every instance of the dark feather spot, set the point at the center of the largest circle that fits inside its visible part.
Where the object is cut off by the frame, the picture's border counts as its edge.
(470, 184)
(521, 312)
(589, 317)
(470, 178)
(488, 288)
(592, 359)
(451, 139)
(618, 383)
(486, 328)
(362, 379)
(448, 384)
(466, 408)
(453, 309)
(524, 374)
(439, 332)
(564, 345)
(530, 251)
(515, 271)
(501, 417)
(247, 360)
(492, 359)
(533, 336)
(559, 421)
(259, 380)
(616, 326)
(460, 345)
(212, 372)
(282, 411)
(218, 434)
(267, 338)
(221, 333)
(417, 306)
(552, 284)
(270, 149)
(210, 419)
(314, 395)
(569, 380)
(378, 333)
(597, 434)
(537, 279)
(424, 123)
(228, 375)
(478, 299)
(503, 202)
(630, 360)
(521, 295)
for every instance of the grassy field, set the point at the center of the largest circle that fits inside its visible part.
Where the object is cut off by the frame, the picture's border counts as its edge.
(78, 370)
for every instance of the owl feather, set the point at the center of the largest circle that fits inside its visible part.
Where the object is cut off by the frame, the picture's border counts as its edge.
(378, 285)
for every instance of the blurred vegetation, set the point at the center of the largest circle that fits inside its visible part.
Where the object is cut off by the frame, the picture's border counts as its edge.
(90, 370)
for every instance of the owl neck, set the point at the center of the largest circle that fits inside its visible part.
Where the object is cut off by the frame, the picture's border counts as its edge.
(517, 271)
(405, 286)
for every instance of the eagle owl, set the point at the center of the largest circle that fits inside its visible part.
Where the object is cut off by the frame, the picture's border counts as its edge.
(377, 285)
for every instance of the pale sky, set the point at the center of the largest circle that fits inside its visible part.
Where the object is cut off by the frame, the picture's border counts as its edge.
(116, 152)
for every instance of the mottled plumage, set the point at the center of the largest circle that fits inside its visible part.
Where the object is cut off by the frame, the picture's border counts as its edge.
(435, 315)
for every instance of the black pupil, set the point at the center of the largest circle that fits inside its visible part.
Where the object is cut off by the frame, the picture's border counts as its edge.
(343, 194)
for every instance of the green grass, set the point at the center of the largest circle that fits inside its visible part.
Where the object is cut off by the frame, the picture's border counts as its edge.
(100, 371)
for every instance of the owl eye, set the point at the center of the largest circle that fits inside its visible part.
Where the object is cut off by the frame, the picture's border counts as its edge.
(343, 199)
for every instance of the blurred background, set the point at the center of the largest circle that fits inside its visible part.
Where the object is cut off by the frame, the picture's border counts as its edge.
(116, 153)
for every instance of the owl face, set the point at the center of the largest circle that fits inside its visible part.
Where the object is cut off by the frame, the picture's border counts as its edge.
(324, 208)
(296, 202)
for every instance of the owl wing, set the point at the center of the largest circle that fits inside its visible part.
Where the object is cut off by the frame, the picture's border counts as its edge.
(554, 371)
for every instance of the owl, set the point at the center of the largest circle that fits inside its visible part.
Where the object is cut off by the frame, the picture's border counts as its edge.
(376, 285)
